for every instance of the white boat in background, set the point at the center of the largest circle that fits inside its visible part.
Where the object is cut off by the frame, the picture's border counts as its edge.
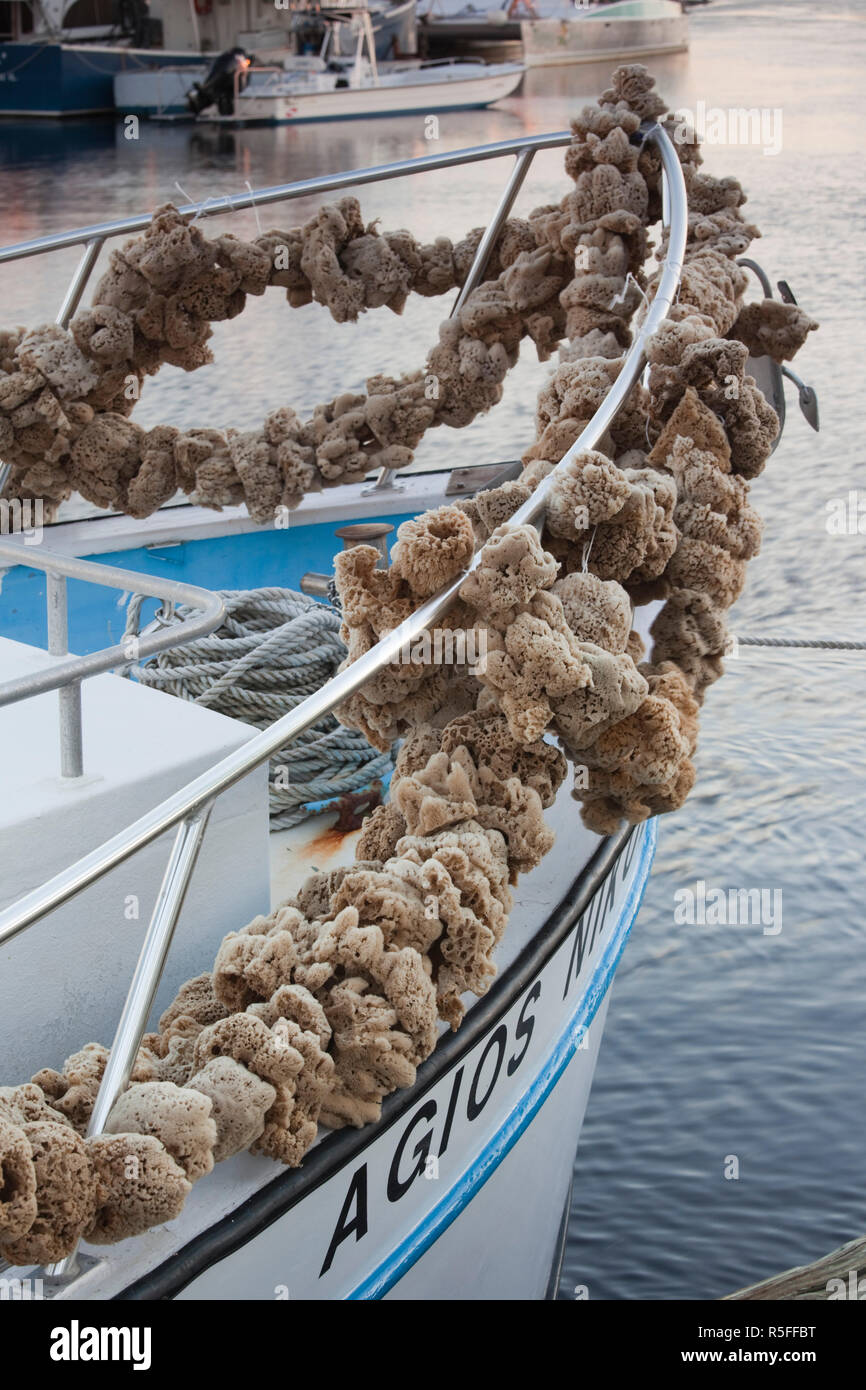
(391, 90)
(555, 31)
(320, 94)
(321, 87)
(618, 32)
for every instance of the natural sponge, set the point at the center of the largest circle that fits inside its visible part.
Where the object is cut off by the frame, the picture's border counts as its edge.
(596, 610)
(433, 548)
(772, 328)
(239, 1099)
(23, 1104)
(65, 1195)
(17, 1182)
(180, 1118)
(138, 1185)
(512, 568)
(73, 1091)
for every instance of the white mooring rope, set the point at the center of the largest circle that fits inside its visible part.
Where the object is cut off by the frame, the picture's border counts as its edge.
(274, 648)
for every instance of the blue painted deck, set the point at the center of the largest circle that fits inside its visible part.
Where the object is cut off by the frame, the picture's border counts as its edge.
(97, 617)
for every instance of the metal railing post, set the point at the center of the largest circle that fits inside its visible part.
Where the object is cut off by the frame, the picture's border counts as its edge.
(145, 982)
(494, 227)
(210, 607)
(78, 283)
(68, 696)
(384, 479)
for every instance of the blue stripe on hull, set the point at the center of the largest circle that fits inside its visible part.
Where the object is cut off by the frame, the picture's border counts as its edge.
(439, 1218)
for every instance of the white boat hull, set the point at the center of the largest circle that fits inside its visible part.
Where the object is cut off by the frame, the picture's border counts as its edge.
(163, 93)
(458, 1193)
(345, 103)
(557, 42)
(155, 91)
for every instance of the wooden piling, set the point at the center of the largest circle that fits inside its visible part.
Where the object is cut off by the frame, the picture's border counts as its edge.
(837, 1275)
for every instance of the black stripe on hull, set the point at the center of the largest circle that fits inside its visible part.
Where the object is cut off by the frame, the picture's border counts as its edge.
(343, 1146)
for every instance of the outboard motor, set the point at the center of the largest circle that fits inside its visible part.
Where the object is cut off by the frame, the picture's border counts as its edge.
(218, 88)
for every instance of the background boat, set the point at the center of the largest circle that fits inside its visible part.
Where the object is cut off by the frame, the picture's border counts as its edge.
(621, 32)
(68, 79)
(398, 89)
(620, 29)
(51, 68)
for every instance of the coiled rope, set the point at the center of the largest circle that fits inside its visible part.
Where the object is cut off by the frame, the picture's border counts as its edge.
(274, 648)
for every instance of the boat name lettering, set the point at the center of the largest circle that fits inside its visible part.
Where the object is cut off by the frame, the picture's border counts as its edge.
(414, 1148)
(587, 932)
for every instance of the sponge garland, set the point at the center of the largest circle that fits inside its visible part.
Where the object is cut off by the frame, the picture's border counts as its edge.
(65, 394)
(316, 1012)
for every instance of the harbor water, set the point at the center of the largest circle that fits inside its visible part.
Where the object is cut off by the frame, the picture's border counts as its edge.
(718, 1146)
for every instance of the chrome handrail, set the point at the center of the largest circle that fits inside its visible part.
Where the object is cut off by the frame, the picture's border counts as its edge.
(66, 676)
(239, 763)
(211, 612)
(188, 807)
(93, 238)
(322, 183)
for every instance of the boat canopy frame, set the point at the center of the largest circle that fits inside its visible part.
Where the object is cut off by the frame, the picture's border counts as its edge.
(188, 809)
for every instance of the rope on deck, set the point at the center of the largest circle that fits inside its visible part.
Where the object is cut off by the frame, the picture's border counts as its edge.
(274, 648)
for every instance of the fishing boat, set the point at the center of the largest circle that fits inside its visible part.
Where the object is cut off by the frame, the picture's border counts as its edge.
(364, 91)
(50, 67)
(325, 91)
(554, 32)
(622, 31)
(461, 1190)
(239, 89)
(53, 66)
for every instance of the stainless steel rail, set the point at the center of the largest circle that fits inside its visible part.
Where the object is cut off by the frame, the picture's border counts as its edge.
(323, 183)
(384, 481)
(94, 237)
(236, 766)
(187, 808)
(66, 676)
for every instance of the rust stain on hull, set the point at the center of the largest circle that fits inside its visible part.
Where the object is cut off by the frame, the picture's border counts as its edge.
(325, 845)
(351, 809)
